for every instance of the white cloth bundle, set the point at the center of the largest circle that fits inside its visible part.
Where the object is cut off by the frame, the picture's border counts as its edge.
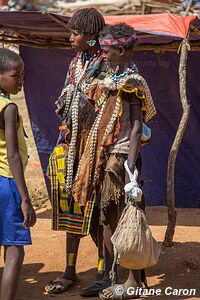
(132, 189)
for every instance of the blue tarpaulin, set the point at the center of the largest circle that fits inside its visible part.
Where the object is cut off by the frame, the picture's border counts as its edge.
(46, 71)
(45, 75)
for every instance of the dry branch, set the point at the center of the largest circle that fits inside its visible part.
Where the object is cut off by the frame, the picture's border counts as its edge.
(168, 241)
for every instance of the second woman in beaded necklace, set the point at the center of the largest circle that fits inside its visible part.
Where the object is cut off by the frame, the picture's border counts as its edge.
(125, 103)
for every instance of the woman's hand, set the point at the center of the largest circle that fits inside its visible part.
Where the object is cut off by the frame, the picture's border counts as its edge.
(131, 167)
(28, 213)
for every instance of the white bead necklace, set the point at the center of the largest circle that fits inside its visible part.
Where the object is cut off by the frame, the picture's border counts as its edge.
(79, 72)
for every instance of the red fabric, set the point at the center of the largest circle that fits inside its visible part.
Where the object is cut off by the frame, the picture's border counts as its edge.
(162, 24)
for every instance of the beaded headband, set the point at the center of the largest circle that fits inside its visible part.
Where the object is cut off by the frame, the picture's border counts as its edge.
(120, 41)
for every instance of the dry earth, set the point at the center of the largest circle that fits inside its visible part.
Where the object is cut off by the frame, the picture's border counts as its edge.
(178, 267)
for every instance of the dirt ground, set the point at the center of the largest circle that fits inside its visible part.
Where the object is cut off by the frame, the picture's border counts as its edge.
(178, 267)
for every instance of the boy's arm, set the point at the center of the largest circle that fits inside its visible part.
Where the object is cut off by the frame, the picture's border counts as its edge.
(10, 119)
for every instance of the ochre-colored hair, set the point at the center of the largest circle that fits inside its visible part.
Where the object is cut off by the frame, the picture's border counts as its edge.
(87, 20)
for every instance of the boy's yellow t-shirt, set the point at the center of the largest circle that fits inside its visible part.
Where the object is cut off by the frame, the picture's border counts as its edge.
(4, 165)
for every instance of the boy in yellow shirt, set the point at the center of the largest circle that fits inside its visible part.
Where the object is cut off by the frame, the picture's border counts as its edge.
(16, 211)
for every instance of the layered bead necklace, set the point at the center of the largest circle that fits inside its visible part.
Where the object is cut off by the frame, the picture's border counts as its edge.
(93, 137)
(115, 80)
(82, 69)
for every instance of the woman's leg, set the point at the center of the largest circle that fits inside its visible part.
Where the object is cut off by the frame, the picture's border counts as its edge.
(110, 219)
(72, 246)
(65, 281)
(13, 258)
(97, 237)
(134, 279)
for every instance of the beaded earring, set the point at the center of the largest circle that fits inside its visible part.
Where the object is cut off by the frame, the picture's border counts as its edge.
(91, 43)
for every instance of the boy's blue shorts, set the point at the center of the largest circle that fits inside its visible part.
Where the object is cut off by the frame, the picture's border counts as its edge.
(12, 231)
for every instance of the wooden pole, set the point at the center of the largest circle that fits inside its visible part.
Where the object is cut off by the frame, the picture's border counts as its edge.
(168, 241)
(188, 7)
(57, 20)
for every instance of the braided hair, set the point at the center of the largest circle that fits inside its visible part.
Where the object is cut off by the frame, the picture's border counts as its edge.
(117, 31)
(6, 58)
(87, 20)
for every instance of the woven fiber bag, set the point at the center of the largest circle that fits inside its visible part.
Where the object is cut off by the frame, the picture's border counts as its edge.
(133, 241)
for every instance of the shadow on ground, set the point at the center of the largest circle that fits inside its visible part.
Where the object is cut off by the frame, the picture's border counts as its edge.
(176, 269)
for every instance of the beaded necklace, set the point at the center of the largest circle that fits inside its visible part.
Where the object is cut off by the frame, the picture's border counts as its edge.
(119, 80)
(82, 69)
(80, 72)
(80, 60)
(114, 80)
(85, 55)
(129, 70)
(3, 95)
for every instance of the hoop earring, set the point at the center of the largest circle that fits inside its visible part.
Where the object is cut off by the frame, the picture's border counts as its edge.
(91, 43)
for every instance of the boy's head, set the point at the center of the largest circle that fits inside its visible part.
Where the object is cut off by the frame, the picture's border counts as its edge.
(85, 26)
(118, 42)
(11, 72)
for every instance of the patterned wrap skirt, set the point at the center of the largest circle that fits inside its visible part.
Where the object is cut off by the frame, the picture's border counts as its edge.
(12, 231)
(67, 215)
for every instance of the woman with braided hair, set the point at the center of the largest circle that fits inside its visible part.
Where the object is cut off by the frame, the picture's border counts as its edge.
(77, 112)
(124, 103)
